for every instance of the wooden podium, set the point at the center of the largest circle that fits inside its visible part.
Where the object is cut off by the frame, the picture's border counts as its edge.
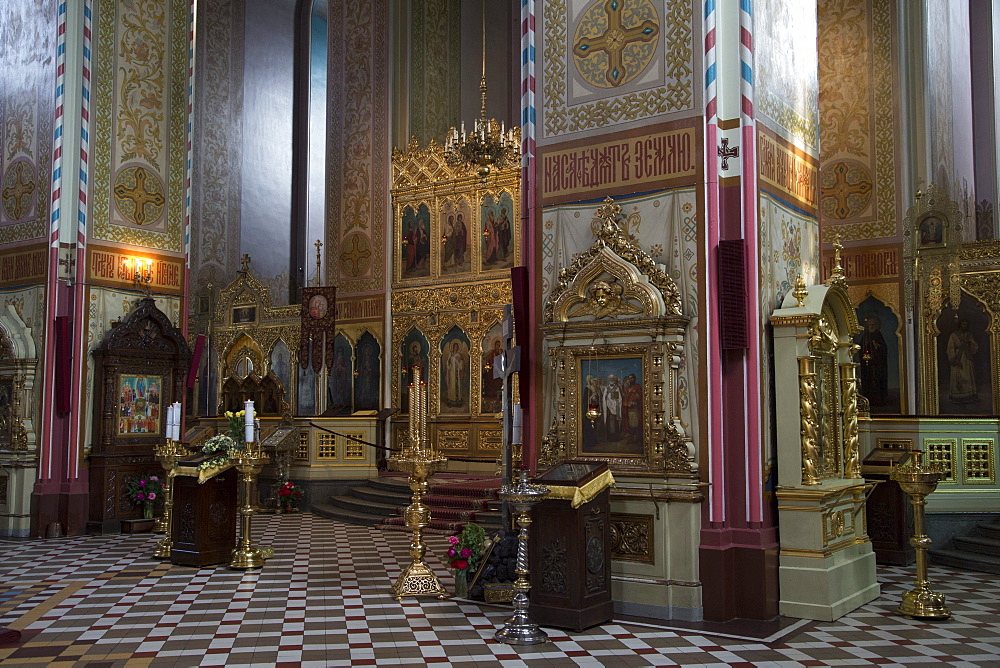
(204, 516)
(890, 514)
(570, 547)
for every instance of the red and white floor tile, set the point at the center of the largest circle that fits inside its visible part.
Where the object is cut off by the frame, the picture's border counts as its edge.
(324, 600)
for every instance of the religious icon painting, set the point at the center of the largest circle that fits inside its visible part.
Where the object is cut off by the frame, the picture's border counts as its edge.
(497, 232)
(611, 418)
(456, 219)
(415, 243)
(930, 230)
(340, 380)
(307, 390)
(455, 379)
(414, 353)
(280, 364)
(878, 357)
(244, 314)
(139, 404)
(367, 373)
(491, 401)
(963, 358)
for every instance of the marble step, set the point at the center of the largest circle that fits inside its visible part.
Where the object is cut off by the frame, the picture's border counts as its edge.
(380, 495)
(364, 506)
(977, 544)
(346, 516)
(970, 561)
(989, 530)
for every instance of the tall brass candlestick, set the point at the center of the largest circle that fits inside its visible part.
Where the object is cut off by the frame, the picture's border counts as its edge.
(420, 461)
(249, 463)
(918, 481)
(168, 453)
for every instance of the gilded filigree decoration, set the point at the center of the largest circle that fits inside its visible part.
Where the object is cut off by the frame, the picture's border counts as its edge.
(433, 300)
(849, 400)
(604, 300)
(978, 465)
(610, 239)
(632, 538)
(809, 421)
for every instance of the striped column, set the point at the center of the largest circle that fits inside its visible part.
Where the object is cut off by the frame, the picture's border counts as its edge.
(528, 220)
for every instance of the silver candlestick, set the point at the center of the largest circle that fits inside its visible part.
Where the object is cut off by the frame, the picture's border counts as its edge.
(519, 629)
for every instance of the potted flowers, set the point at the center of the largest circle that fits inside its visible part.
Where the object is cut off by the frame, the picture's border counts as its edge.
(464, 554)
(142, 491)
(289, 497)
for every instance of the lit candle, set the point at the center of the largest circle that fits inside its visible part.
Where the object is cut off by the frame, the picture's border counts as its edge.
(248, 428)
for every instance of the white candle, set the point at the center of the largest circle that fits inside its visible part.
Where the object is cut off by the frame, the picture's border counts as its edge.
(177, 421)
(248, 429)
(170, 422)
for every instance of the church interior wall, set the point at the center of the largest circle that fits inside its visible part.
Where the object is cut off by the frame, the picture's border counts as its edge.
(216, 174)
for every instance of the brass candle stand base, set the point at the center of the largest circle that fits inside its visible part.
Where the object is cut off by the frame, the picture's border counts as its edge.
(519, 629)
(918, 481)
(247, 555)
(168, 453)
(417, 579)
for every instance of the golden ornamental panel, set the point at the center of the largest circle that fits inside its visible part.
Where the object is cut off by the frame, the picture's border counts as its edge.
(978, 466)
(941, 452)
(302, 452)
(837, 523)
(632, 538)
(905, 444)
(453, 439)
(490, 440)
(353, 449)
(327, 448)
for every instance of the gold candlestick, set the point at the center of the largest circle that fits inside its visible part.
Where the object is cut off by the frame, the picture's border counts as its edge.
(168, 453)
(420, 461)
(918, 481)
(246, 555)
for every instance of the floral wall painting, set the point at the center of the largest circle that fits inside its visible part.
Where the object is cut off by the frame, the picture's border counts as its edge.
(414, 352)
(139, 404)
(456, 219)
(497, 232)
(878, 357)
(491, 387)
(416, 243)
(963, 356)
(455, 379)
(339, 383)
(367, 374)
(611, 413)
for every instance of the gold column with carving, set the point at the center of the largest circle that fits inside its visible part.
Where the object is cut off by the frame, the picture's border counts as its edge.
(420, 461)
(168, 453)
(849, 400)
(809, 421)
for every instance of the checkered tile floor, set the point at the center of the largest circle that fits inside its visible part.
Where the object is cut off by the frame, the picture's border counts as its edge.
(324, 599)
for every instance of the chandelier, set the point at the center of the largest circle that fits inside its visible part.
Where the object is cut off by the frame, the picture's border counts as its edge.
(490, 145)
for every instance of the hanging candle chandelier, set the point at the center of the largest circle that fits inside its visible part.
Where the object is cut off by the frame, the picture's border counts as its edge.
(490, 145)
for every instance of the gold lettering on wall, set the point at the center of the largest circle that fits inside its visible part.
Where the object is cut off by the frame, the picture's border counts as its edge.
(787, 172)
(115, 267)
(20, 268)
(631, 161)
(867, 264)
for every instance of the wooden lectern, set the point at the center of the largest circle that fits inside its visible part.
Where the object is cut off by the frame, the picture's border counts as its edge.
(204, 516)
(890, 514)
(570, 547)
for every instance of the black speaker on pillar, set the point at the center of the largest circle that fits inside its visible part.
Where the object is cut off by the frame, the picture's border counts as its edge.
(732, 266)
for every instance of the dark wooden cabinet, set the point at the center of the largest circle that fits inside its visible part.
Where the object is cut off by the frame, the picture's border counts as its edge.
(888, 509)
(139, 370)
(570, 549)
(204, 518)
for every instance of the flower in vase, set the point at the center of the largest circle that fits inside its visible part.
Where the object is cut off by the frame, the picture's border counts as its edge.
(460, 564)
(453, 540)
(142, 483)
(140, 497)
(151, 496)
